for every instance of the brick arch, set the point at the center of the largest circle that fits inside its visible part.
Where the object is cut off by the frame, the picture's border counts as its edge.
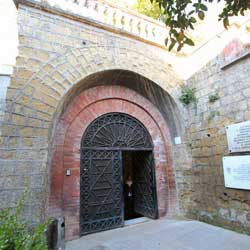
(32, 110)
(45, 89)
(83, 61)
(86, 107)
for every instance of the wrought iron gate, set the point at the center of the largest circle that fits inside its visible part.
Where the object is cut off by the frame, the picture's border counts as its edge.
(145, 185)
(101, 193)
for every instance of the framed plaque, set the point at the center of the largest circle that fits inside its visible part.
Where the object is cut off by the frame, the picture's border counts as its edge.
(237, 171)
(238, 137)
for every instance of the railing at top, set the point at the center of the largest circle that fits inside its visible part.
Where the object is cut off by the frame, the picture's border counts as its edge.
(113, 15)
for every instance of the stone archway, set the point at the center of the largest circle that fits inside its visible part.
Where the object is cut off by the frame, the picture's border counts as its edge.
(101, 187)
(41, 114)
(84, 109)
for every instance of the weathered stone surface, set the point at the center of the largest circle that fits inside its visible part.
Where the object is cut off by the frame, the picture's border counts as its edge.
(59, 59)
(213, 202)
(53, 67)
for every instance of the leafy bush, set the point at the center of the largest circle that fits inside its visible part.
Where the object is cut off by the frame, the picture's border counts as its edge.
(187, 95)
(14, 232)
(148, 8)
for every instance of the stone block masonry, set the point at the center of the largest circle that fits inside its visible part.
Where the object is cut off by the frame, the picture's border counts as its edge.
(211, 201)
(58, 59)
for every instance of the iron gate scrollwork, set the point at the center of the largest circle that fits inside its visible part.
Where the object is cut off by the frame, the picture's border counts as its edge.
(101, 187)
(117, 130)
(145, 185)
(101, 194)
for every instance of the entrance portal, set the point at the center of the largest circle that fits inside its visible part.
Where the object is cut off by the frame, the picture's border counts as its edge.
(128, 185)
(116, 161)
(138, 183)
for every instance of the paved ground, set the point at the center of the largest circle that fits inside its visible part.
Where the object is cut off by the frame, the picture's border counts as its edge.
(164, 235)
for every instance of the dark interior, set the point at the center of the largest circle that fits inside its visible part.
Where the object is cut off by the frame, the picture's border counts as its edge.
(128, 180)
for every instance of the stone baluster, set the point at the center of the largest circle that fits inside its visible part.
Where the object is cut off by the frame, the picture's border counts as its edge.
(81, 8)
(154, 33)
(138, 26)
(100, 8)
(114, 16)
(157, 32)
(105, 15)
(123, 22)
(146, 30)
(114, 20)
(131, 25)
(92, 13)
(150, 32)
(143, 30)
(126, 25)
(73, 7)
(118, 19)
(86, 3)
(70, 6)
(110, 16)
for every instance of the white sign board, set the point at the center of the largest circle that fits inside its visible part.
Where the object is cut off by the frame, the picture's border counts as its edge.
(237, 171)
(177, 140)
(238, 137)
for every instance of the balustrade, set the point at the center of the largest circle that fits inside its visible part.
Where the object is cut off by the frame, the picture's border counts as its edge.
(114, 15)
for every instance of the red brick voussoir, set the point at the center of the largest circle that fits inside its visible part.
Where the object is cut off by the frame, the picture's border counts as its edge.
(65, 190)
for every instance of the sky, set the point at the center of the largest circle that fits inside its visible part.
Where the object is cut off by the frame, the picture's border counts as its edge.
(8, 32)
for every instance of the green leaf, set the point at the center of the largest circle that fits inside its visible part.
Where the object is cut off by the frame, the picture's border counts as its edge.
(15, 233)
(180, 47)
(226, 22)
(172, 45)
(193, 20)
(201, 15)
(166, 41)
(203, 7)
(242, 12)
(181, 36)
(189, 42)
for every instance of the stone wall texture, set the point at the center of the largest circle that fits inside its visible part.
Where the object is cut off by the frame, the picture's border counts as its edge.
(58, 59)
(211, 201)
(68, 73)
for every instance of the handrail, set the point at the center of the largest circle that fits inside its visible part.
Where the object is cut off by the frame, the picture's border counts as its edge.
(111, 14)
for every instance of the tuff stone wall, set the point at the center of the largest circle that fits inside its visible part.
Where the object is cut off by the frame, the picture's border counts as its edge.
(211, 201)
(58, 58)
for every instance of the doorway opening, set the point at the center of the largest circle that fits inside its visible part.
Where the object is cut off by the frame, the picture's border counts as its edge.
(128, 170)
(117, 173)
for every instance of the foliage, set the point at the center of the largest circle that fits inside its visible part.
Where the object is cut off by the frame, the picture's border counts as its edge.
(149, 8)
(187, 95)
(14, 233)
(181, 15)
(213, 98)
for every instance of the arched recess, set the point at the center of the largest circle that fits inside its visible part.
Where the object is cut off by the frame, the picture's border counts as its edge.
(46, 96)
(82, 110)
(102, 168)
(48, 91)
(162, 99)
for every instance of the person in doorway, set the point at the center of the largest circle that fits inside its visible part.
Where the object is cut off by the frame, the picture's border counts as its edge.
(129, 199)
